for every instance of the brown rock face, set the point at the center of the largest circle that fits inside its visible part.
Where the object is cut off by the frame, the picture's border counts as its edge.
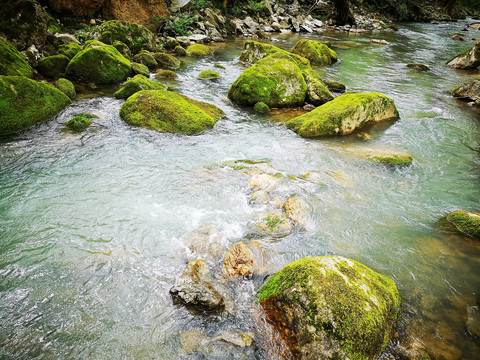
(78, 7)
(239, 261)
(138, 11)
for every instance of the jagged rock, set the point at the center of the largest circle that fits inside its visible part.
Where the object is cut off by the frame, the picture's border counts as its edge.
(344, 114)
(196, 287)
(138, 11)
(470, 59)
(250, 23)
(239, 261)
(136, 84)
(330, 307)
(470, 91)
(205, 243)
(12, 63)
(296, 210)
(178, 4)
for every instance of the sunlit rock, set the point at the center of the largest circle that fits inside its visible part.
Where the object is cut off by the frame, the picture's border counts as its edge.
(470, 59)
(239, 261)
(470, 91)
(466, 222)
(319, 53)
(296, 210)
(265, 182)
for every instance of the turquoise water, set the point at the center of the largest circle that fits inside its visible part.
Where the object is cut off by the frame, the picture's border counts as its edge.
(91, 225)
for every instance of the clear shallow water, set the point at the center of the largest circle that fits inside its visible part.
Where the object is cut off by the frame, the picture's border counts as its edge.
(91, 225)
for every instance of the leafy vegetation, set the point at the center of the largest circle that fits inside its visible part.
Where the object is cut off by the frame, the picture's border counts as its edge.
(80, 122)
(176, 26)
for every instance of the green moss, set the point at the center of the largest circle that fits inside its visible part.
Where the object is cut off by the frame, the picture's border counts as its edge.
(92, 44)
(317, 52)
(335, 85)
(66, 87)
(145, 58)
(80, 122)
(254, 51)
(418, 66)
(167, 112)
(122, 49)
(136, 37)
(199, 51)
(211, 110)
(180, 51)
(12, 63)
(140, 69)
(344, 114)
(53, 66)
(340, 298)
(317, 91)
(467, 222)
(209, 75)
(261, 108)
(219, 66)
(275, 80)
(99, 64)
(392, 159)
(165, 74)
(69, 50)
(136, 84)
(25, 102)
(167, 61)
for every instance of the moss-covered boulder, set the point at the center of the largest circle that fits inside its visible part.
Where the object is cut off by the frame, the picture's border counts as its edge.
(275, 80)
(12, 63)
(66, 87)
(147, 59)
(335, 86)
(165, 74)
(344, 114)
(470, 91)
(209, 75)
(135, 36)
(180, 51)
(136, 84)
(199, 51)
(466, 222)
(317, 91)
(25, 102)
(123, 49)
(254, 51)
(69, 50)
(53, 66)
(166, 111)
(80, 122)
(470, 59)
(317, 52)
(330, 307)
(166, 61)
(140, 69)
(101, 64)
(261, 108)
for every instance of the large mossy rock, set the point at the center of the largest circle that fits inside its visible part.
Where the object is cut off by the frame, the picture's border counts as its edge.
(199, 51)
(470, 59)
(136, 84)
(69, 50)
(12, 63)
(167, 111)
(147, 59)
(470, 91)
(344, 114)
(100, 64)
(276, 80)
(53, 66)
(136, 37)
(467, 222)
(317, 52)
(330, 307)
(317, 92)
(254, 51)
(25, 102)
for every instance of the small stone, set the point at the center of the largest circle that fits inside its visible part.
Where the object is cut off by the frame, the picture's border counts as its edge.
(296, 210)
(379, 42)
(209, 75)
(261, 108)
(192, 340)
(273, 223)
(239, 261)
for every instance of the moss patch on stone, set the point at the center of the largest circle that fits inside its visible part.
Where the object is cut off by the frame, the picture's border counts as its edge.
(135, 36)
(66, 87)
(136, 84)
(12, 63)
(209, 75)
(199, 51)
(317, 52)
(69, 50)
(123, 49)
(145, 58)
(25, 102)
(168, 112)
(344, 114)
(418, 67)
(467, 222)
(53, 66)
(392, 159)
(333, 85)
(165, 74)
(331, 307)
(80, 122)
(140, 69)
(261, 108)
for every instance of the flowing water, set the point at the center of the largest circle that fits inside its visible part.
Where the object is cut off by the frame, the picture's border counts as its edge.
(91, 225)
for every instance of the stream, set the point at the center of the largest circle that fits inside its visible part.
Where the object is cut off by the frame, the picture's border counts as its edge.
(91, 224)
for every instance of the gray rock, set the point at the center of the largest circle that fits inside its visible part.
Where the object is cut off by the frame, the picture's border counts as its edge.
(197, 37)
(470, 91)
(250, 23)
(184, 41)
(306, 28)
(296, 25)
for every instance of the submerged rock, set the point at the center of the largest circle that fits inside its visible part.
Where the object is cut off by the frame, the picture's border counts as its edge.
(239, 261)
(466, 222)
(330, 307)
(317, 52)
(199, 51)
(418, 67)
(383, 156)
(296, 210)
(80, 122)
(25, 102)
(136, 84)
(169, 112)
(470, 91)
(209, 75)
(196, 287)
(276, 80)
(344, 114)
(12, 63)
(100, 64)
(205, 243)
(195, 340)
(470, 59)
(135, 36)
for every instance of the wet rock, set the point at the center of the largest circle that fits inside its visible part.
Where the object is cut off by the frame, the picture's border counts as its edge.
(66, 87)
(236, 338)
(80, 122)
(26, 102)
(470, 91)
(317, 52)
(474, 26)
(344, 114)
(273, 223)
(192, 340)
(195, 340)
(470, 59)
(306, 303)
(473, 320)
(136, 84)
(466, 222)
(196, 287)
(261, 108)
(12, 63)
(265, 182)
(165, 74)
(145, 58)
(205, 243)
(199, 51)
(296, 210)
(239, 261)
(166, 61)
(209, 75)
(140, 69)
(379, 42)
(335, 86)
(317, 91)
(166, 111)
(418, 67)
(140, 11)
